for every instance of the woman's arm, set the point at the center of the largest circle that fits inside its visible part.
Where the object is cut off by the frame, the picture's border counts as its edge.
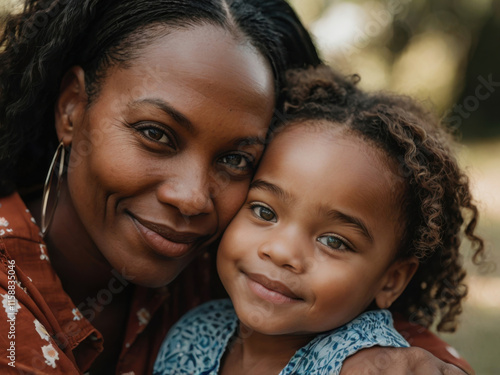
(428, 355)
(397, 361)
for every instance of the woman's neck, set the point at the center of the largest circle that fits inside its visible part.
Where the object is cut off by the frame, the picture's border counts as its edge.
(257, 353)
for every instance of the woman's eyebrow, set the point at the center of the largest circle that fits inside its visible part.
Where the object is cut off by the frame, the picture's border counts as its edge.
(167, 108)
(249, 141)
(348, 219)
(274, 189)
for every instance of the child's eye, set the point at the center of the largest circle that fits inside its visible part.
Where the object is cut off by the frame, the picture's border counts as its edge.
(263, 212)
(334, 242)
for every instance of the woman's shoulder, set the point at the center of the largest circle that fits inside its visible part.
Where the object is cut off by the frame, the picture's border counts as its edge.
(16, 221)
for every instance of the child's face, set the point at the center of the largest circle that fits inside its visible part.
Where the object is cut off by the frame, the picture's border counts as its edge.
(315, 242)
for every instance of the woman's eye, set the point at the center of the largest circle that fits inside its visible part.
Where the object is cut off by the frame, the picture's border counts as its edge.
(238, 164)
(264, 213)
(156, 135)
(333, 242)
(236, 161)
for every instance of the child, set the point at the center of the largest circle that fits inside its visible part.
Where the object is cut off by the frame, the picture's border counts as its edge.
(356, 195)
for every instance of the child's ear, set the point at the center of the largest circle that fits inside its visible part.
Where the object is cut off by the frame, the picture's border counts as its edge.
(70, 103)
(395, 281)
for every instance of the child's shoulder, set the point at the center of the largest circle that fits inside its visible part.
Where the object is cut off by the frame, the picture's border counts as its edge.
(212, 312)
(368, 329)
(196, 343)
(327, 351)
(211, 317)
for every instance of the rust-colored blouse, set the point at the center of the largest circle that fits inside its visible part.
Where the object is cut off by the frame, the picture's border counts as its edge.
(40, 326)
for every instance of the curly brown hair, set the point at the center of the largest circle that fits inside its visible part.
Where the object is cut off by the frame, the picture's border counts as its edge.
(437, 204)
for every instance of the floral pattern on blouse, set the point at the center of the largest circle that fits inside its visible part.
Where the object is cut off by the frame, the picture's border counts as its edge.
(42, 331)
(10, 305)
(51, 355)
(143, 316)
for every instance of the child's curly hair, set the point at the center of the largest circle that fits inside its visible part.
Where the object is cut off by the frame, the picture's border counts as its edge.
(437, 205)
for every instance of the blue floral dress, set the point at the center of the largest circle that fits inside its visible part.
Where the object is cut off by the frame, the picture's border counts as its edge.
(196, 344)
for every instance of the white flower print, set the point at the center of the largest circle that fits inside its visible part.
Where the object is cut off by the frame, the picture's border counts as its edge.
(453, 351)
(10, 305)
(144, 316)
(21, 286)
(42, 331)
(77, 315)
(3, 222)
(51, 355)
(43, 255)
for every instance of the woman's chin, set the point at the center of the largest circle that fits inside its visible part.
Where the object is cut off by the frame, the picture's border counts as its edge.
(149, 273)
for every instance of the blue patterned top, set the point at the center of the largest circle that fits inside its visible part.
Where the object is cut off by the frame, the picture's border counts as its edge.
(196, 344)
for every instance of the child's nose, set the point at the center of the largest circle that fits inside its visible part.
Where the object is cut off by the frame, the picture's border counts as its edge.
(286, 253)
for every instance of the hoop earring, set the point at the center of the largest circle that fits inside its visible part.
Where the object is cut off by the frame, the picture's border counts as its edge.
(58, 158)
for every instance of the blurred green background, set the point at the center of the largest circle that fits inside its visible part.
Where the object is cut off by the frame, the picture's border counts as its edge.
(447, 54)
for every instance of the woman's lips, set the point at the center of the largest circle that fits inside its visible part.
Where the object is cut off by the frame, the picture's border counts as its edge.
(271, 290)
(165, 240)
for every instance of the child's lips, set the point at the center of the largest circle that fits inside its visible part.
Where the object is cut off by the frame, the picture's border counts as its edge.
(272, 290)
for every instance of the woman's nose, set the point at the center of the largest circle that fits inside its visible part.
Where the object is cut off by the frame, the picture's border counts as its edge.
(284, 250)
(188, 191)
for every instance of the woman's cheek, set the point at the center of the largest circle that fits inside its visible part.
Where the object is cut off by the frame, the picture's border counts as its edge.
(230, 201)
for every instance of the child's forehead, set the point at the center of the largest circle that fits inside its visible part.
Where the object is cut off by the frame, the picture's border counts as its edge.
(334, 133)
(314, 157)
(319, 132)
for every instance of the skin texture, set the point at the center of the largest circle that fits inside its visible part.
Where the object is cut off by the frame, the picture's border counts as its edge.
(297, 229)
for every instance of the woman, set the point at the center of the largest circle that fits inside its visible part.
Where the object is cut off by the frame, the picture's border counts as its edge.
(157, 113)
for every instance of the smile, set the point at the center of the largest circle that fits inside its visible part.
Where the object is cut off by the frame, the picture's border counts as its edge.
(270, 290)
(164, 240)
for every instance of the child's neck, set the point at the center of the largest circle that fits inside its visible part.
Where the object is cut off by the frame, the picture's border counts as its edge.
(257, 353)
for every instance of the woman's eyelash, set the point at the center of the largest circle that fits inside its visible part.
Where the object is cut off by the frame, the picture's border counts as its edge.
(155, 133)
(235, 161)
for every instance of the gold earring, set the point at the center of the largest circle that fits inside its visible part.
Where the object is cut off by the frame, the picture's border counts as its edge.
(57, 159)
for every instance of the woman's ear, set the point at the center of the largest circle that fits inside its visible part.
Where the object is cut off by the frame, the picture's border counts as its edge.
(395, 281)
(71, 104)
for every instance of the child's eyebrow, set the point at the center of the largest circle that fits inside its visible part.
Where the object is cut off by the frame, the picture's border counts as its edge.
(348, 219)
(272, 188)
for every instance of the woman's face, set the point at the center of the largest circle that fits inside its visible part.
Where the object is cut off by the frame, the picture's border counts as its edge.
(162, 158)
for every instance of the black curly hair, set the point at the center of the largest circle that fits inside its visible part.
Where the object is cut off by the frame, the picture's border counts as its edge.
(437, 205)
(47, 37)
